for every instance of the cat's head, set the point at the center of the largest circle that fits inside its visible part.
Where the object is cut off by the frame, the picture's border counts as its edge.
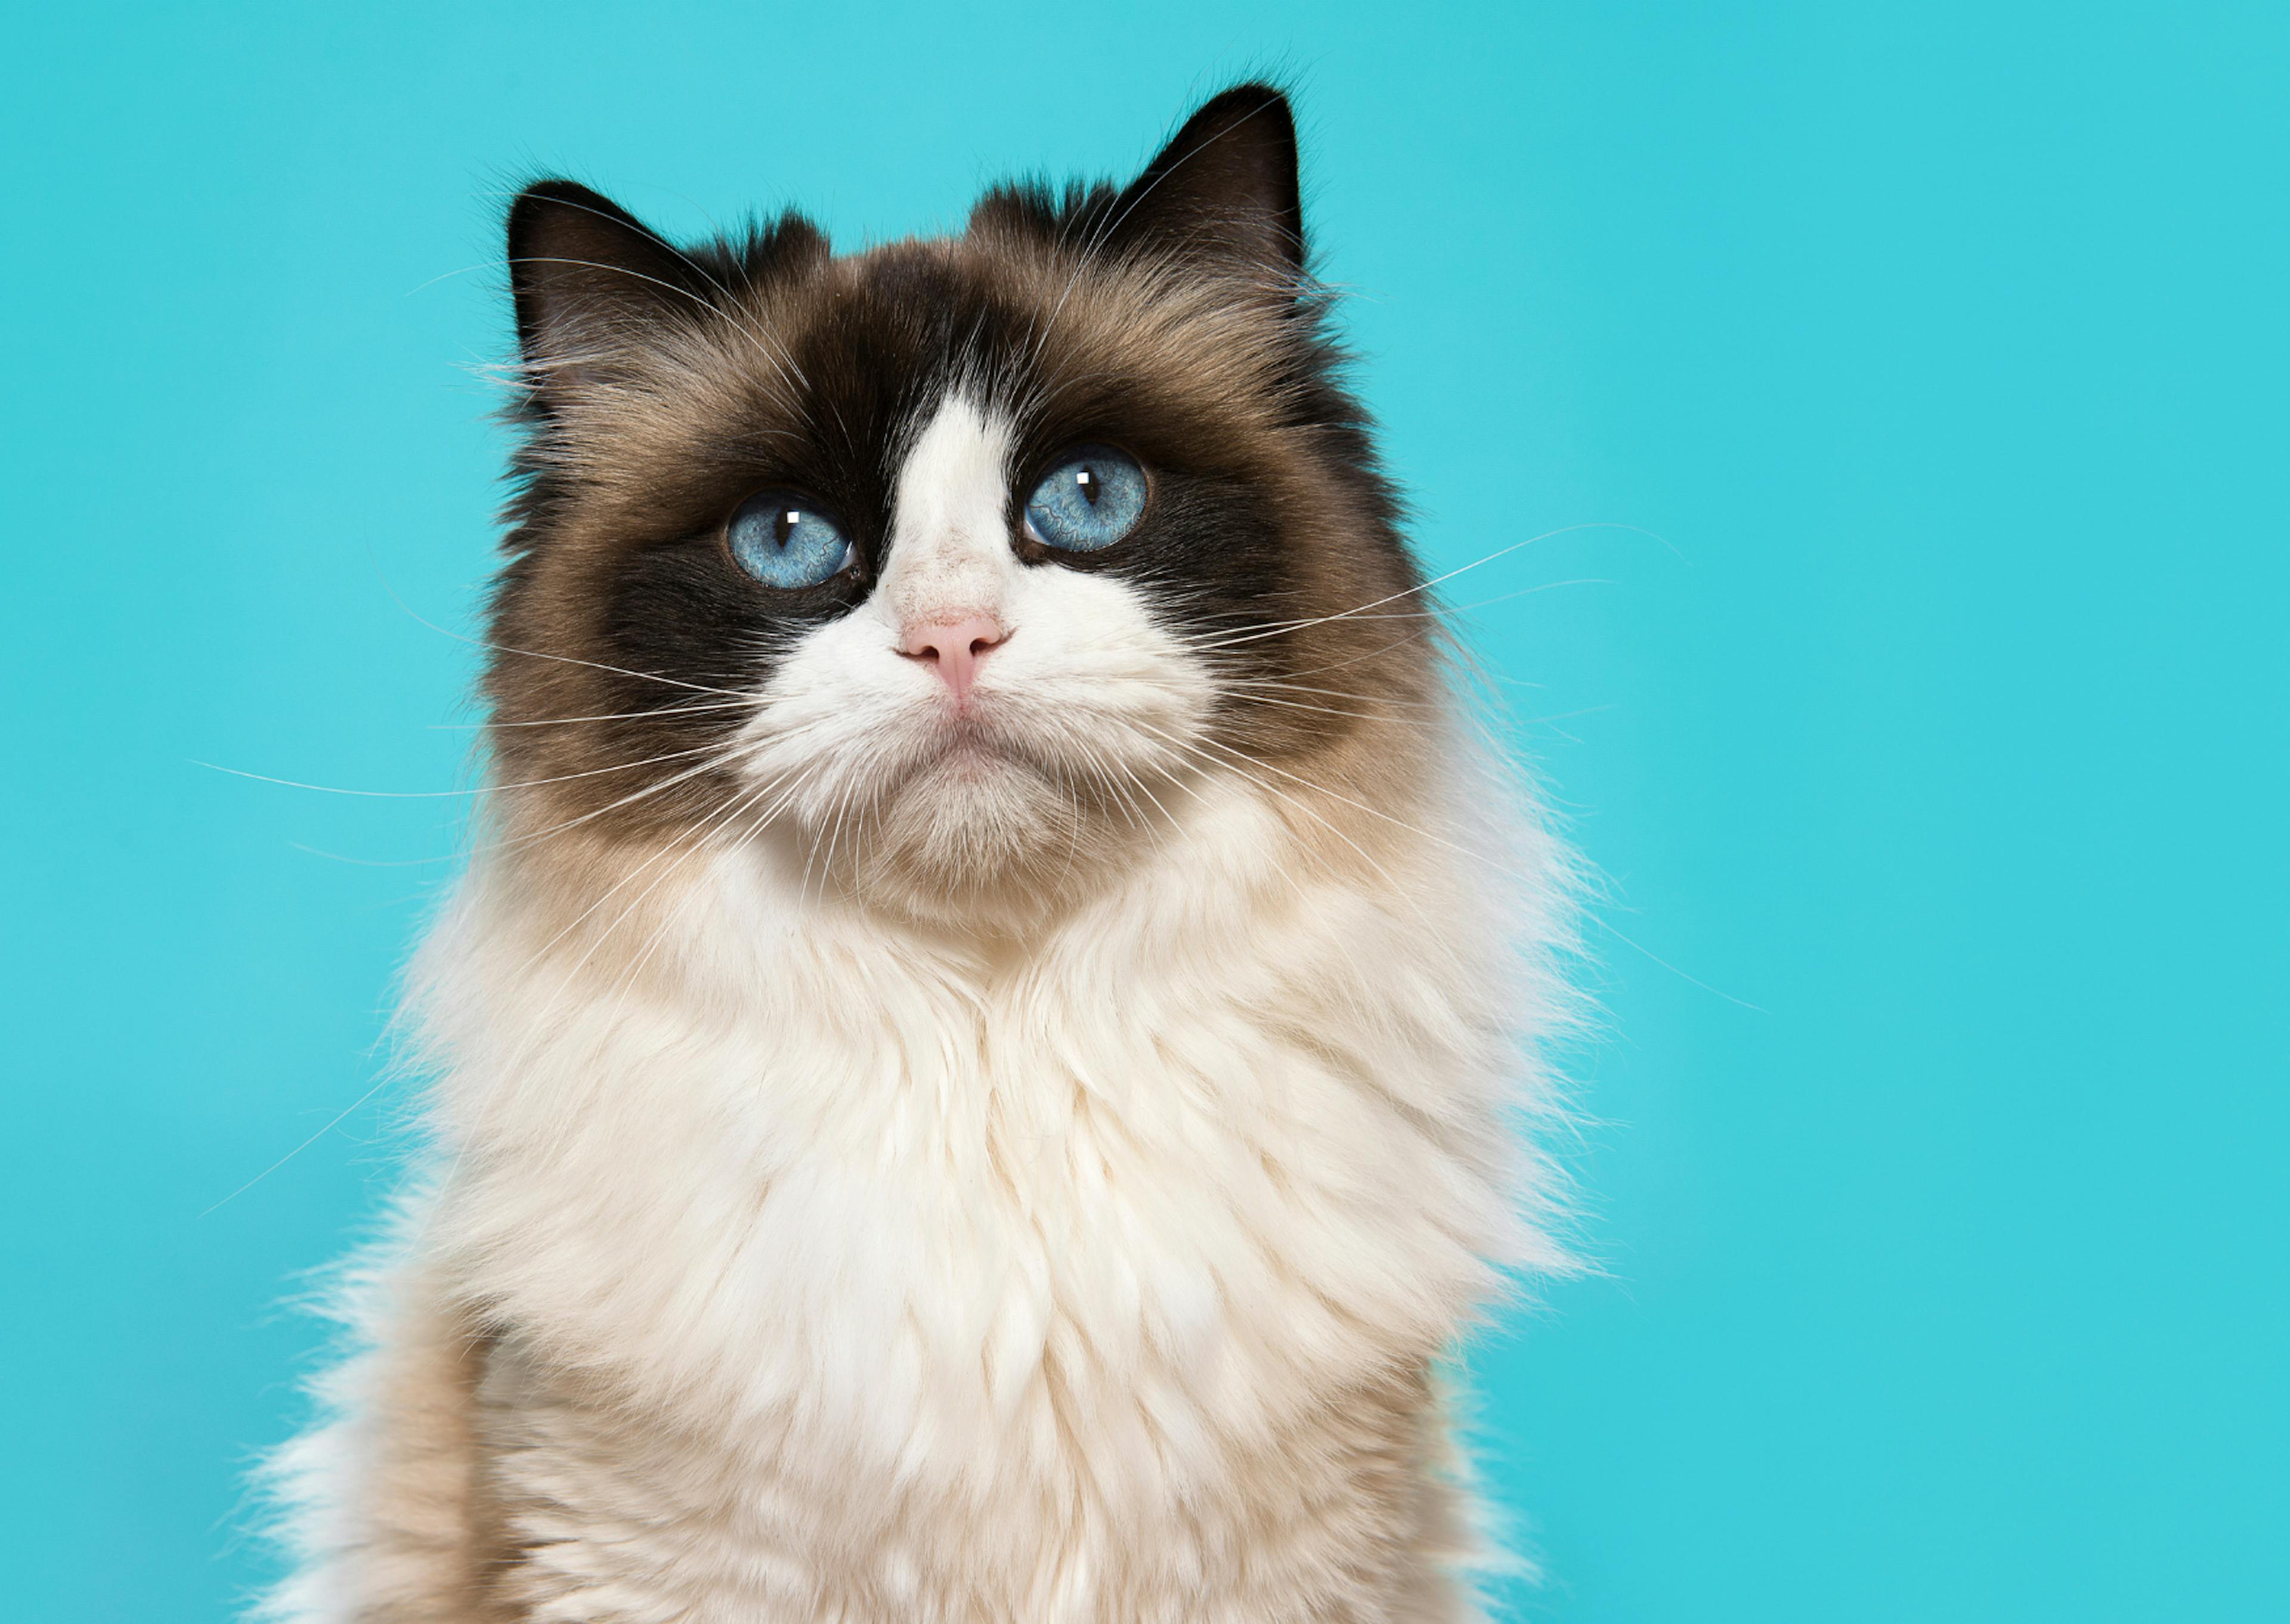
(954, 570)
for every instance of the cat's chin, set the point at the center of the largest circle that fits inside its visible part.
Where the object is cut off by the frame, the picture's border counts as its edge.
(979, 837)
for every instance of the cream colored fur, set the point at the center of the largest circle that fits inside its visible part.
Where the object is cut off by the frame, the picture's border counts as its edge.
(789, 1257)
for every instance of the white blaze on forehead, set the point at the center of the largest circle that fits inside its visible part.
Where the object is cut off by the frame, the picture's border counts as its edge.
(950, 555)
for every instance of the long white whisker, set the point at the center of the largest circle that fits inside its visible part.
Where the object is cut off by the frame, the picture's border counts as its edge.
(734, 753)
(444, 795)
(1393, 597)
(376, 1087)
(1479, 857)
(492, 722)
(693, 842)
(1252, 683)
(503, 648)
(628, 980)
(1324, 711)
(1398, 890)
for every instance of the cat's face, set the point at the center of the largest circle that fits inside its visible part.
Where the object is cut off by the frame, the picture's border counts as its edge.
(953, 568)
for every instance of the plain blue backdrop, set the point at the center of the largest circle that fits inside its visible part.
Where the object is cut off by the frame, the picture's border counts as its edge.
(1943, 345)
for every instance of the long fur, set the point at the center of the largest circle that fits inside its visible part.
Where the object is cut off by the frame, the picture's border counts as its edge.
(942, 1185)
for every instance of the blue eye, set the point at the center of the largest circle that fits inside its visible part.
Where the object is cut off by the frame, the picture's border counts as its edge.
(1090, 499)
(783, 542)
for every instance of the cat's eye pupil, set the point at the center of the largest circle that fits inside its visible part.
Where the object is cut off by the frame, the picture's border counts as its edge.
(1087, 481)
(783, 524)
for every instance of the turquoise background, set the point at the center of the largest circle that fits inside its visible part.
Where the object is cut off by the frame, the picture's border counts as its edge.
(1942, 343)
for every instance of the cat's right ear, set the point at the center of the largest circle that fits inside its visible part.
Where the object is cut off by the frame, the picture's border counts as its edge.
(589, 280)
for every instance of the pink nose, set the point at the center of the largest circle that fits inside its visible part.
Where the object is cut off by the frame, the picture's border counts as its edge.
(954, 650)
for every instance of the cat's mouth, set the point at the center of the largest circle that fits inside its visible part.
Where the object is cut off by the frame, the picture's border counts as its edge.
(971, 751)
(975, 808)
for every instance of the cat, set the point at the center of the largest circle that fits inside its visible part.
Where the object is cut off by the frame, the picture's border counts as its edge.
(992, 1038)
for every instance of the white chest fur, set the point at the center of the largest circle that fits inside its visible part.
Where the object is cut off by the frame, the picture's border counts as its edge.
(896, 1222)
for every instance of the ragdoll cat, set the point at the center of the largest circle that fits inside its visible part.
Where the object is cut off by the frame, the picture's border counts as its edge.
(977, 1064)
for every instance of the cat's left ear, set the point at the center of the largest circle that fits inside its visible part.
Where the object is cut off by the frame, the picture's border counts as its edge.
(1223, 192)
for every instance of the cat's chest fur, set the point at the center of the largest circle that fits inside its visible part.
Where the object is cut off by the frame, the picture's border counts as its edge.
(1111, 1229)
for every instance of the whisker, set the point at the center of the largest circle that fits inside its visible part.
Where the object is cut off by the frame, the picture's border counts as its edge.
(1324, 711)
(1385, 874)
(1099, 773)
(846, 797)
(575, 923)
(1334, 693)
(693, 842)
(1436, 611)
(690, 843)
(735, 754)
(628, 979)
(439, 795)
(503, 648)
(491, 723)
(333, 1123)
(1425, 586)
(1479, 857)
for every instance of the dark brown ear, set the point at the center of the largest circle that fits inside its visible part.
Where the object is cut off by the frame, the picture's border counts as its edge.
(1223, 191)
(589, 278)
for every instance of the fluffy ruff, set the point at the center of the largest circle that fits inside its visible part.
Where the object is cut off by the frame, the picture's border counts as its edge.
(805, 1271)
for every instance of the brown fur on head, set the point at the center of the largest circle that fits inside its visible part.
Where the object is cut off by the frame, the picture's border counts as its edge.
(644, 680)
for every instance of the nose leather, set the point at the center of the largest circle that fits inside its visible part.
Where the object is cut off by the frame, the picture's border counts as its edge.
(954, 649)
